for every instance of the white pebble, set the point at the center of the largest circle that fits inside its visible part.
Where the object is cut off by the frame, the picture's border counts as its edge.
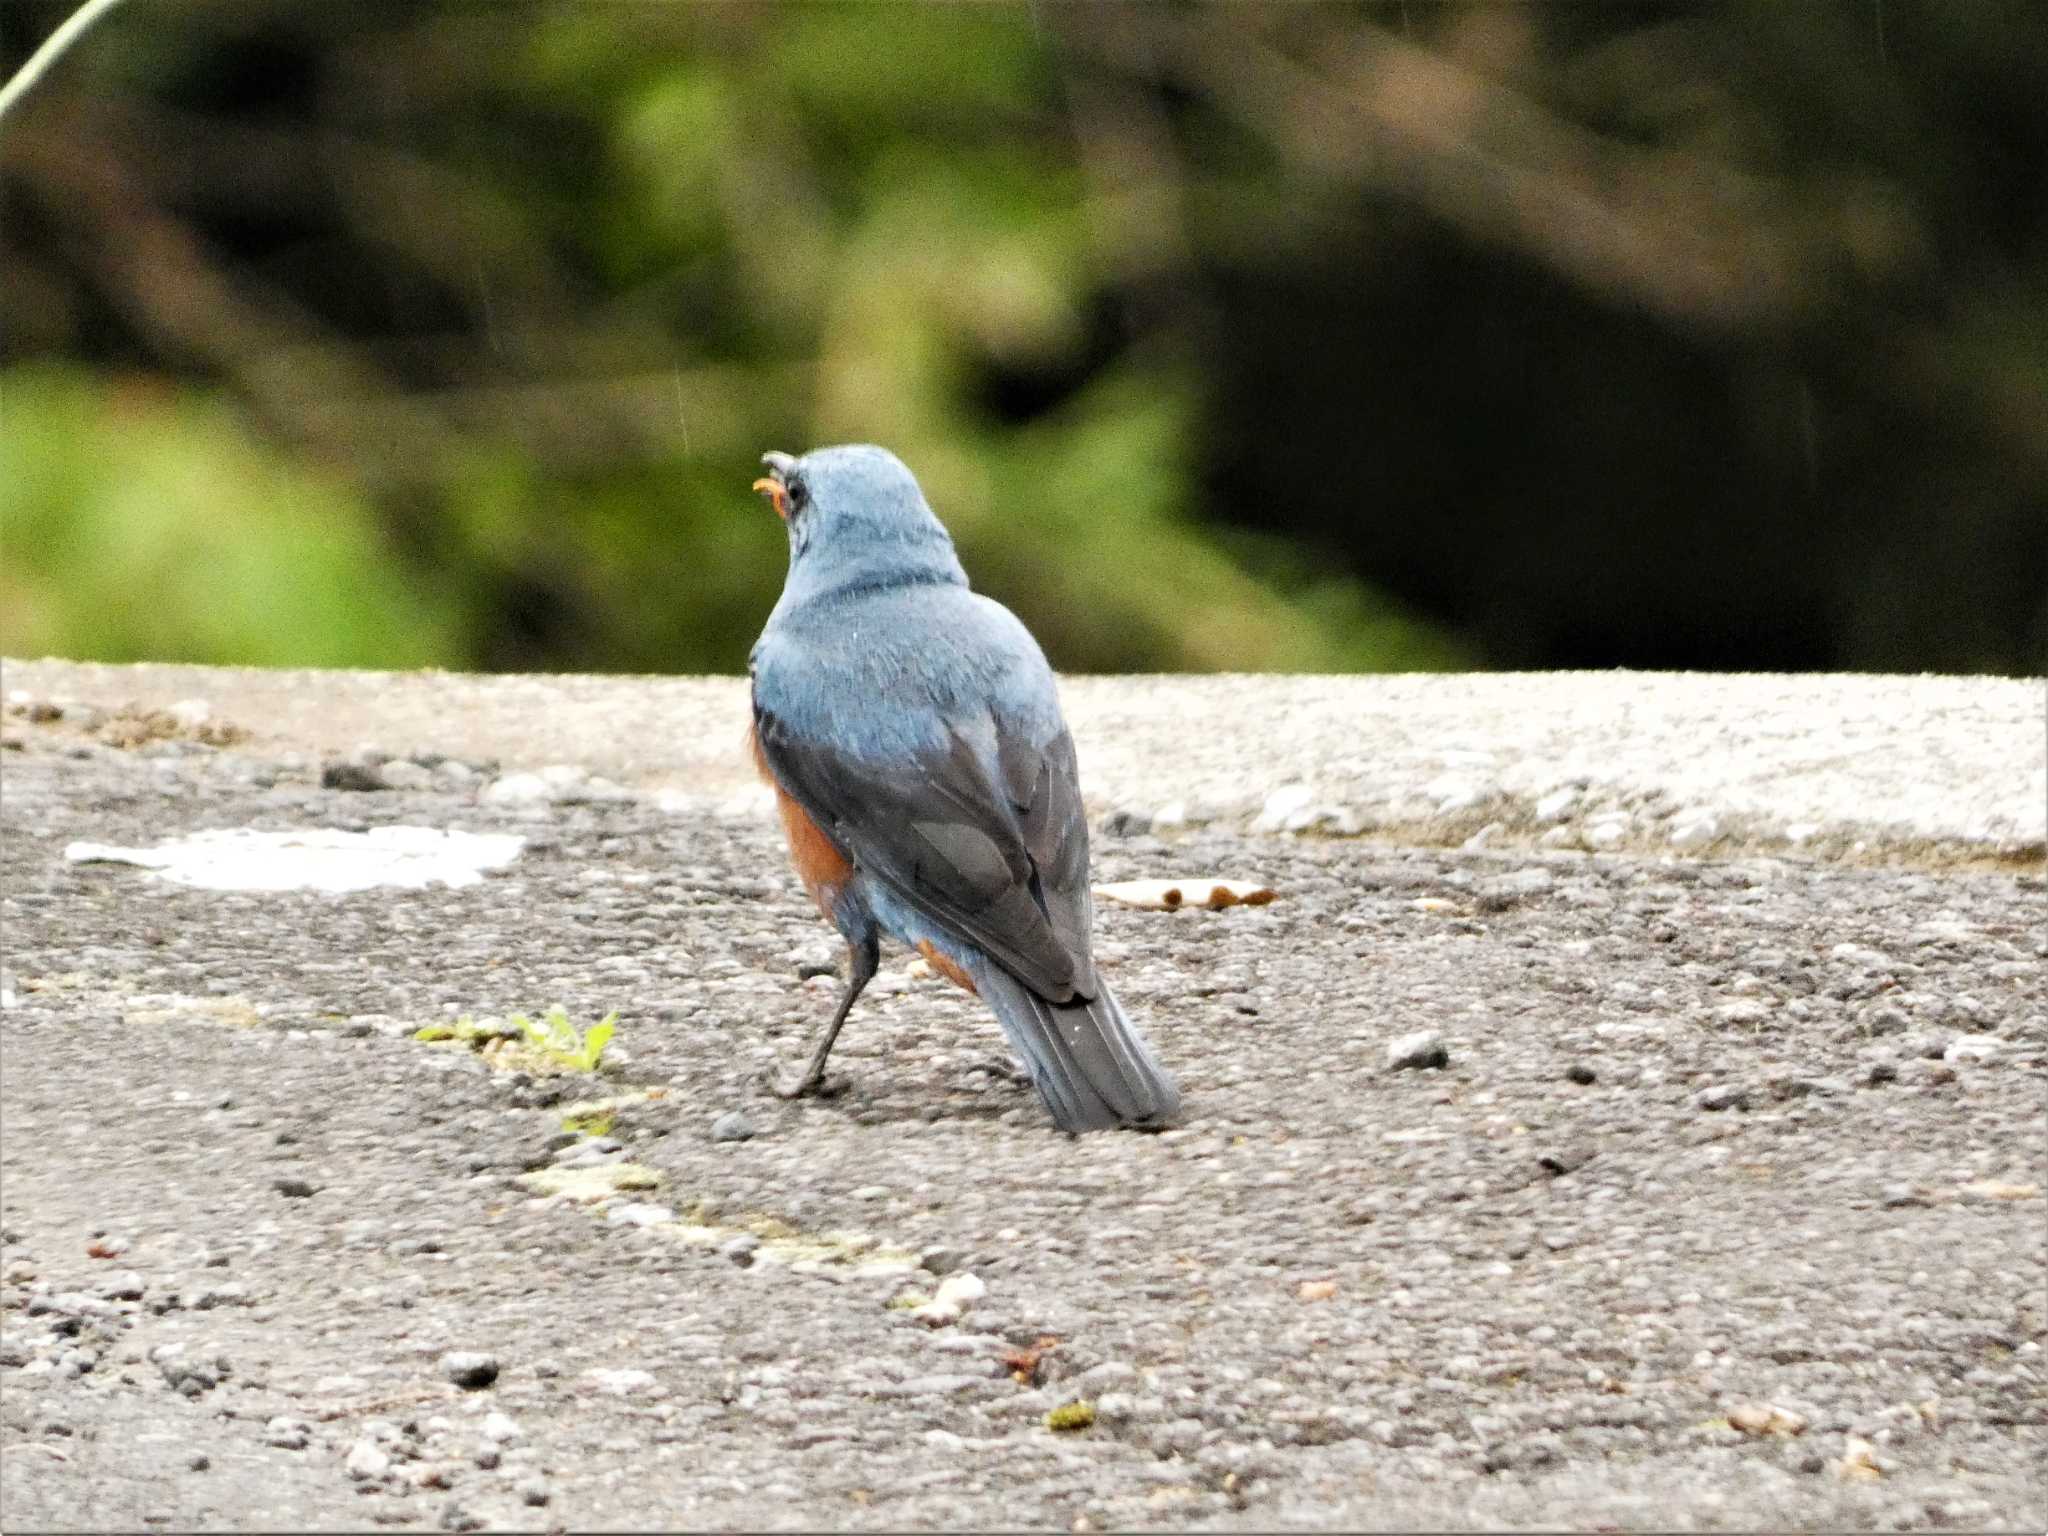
(621, 1383)
(1607, 831)
(1694, 829)
(519, 789)
(366, 1462)
(1280, 805)
(404, 774)
(639, 1215)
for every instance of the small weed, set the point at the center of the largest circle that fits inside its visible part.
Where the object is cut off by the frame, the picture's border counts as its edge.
(555, 1036)
(551, 1044)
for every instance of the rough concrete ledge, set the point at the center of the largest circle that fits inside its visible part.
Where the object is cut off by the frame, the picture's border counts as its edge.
(1921, 769)
(1519, 1188)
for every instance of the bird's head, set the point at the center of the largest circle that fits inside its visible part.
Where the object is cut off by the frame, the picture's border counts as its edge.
(855, 517)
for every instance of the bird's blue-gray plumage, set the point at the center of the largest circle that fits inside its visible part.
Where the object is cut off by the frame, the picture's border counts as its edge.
(917, 724)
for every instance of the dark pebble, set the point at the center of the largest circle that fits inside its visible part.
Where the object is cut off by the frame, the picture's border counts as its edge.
(1559, 1161)
(469, 1368)
(1579, 1072)
(352, 775)
(294, 1189)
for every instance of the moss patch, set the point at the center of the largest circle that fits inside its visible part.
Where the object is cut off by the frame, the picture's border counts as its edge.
(235, 1012)
(550, 1046)
(597, 1183)
(1069, 1417)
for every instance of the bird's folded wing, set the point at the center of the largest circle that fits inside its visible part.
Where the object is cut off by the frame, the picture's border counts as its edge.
(1005, 869)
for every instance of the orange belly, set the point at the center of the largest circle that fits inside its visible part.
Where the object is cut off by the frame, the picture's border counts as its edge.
(822, 868)
(945, 967)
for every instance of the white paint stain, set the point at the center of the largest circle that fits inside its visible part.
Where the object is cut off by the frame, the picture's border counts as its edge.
(315, 859)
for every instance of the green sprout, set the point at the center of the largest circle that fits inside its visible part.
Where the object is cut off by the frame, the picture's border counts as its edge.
(555, 1036)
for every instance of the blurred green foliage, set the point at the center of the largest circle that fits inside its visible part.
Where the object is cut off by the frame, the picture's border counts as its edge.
(147, 523)
(609, 255)
(403, 333)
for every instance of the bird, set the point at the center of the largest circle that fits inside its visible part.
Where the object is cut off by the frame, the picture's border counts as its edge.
(911, 730)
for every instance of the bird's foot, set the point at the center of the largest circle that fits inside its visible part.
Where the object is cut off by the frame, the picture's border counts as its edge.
(810, 1084)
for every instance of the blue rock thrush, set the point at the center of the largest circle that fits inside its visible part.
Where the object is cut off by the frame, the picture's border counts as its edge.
(912, 732)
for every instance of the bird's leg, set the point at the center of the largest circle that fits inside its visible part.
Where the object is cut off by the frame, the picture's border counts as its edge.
(863, 957)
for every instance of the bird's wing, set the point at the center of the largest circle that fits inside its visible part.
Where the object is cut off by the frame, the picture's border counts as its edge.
(1005, 867)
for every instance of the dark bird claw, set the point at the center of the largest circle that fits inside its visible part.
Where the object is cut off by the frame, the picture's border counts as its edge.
(810, 1084)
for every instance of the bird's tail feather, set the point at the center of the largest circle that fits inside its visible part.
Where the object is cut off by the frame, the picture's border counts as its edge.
(1092, 1068)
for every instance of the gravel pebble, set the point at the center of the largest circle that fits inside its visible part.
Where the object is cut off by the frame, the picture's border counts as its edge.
(366, 1461)
(403, 775)
(1421, 1048)
(733, 1125)
(470, 1368)
(353, 775)
(288, 1434)
(637, 1214)
(621, 1383)
(1694, 829)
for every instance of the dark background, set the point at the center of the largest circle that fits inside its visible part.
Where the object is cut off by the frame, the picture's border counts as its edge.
(1396, 335)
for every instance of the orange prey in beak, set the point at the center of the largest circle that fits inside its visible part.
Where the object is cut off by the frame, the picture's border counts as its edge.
(778, 496)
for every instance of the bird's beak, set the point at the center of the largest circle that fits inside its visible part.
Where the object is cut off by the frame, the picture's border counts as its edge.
(771, 484)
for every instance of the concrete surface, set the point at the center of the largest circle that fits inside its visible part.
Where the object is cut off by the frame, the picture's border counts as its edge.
(1934, 766)
(1724, 1210)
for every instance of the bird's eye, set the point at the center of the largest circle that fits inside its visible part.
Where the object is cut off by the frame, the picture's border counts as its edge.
(799, 494)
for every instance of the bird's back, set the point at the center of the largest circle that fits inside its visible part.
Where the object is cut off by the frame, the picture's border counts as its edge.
(891, 671)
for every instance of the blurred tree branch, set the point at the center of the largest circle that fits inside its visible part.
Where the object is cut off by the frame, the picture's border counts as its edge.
(53, 47)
